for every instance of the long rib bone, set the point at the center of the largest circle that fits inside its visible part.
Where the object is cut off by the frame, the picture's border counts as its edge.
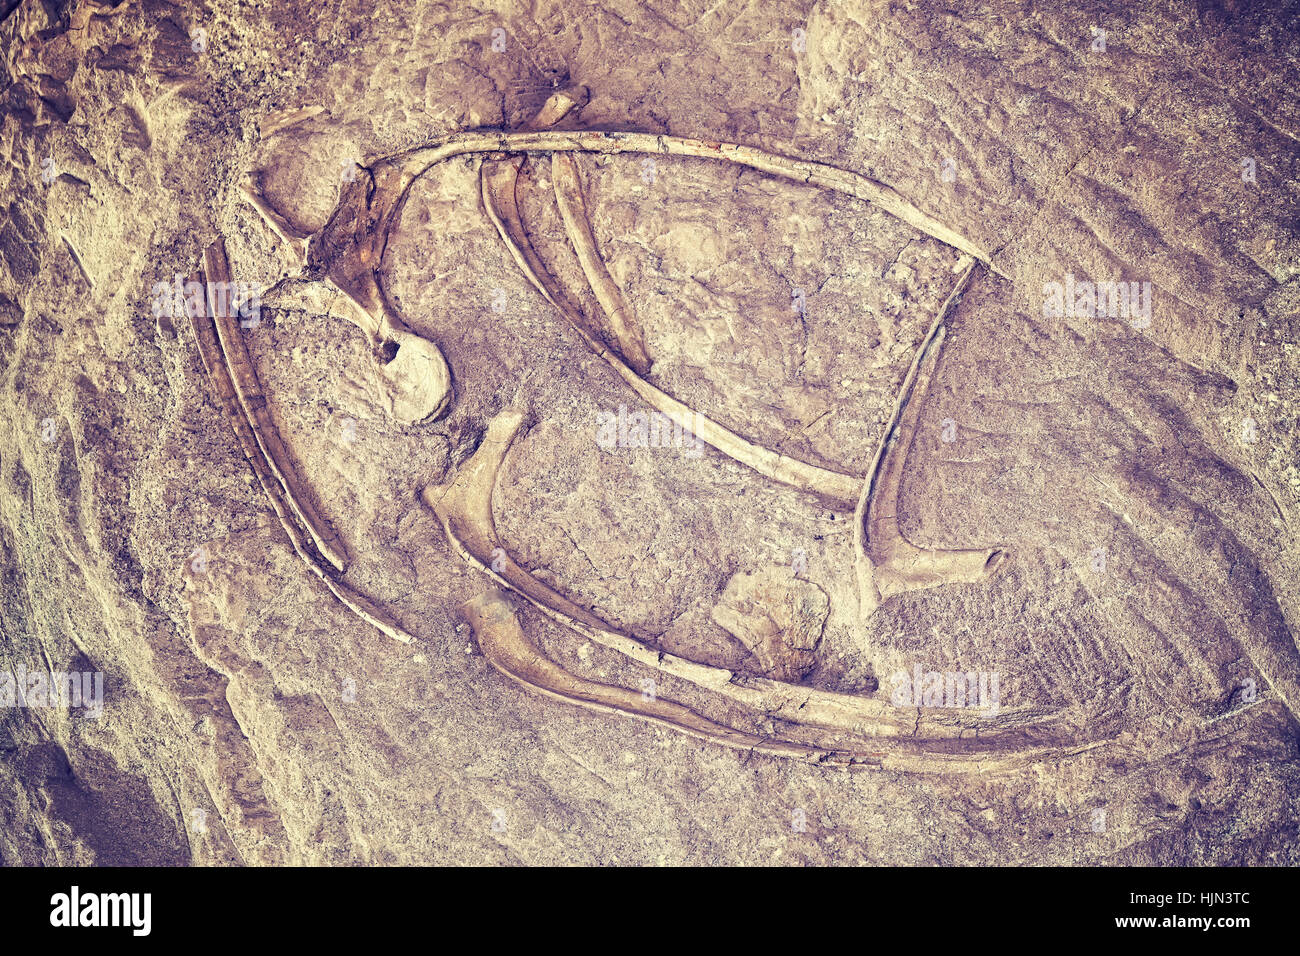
(225, 377)
(573, 210)
(253, 402)
(503, 174)
(508, 649)
(886, 563)
(410, 165)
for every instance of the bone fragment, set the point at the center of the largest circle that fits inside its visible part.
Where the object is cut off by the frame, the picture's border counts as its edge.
(559, 105)
(415, 382)
(280, 120)
(296, 240)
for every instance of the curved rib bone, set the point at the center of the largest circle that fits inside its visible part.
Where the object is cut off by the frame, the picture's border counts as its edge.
(251, 437)
(887, 563)
(573, 210)
(296, 241)
(509, 650)
(253, 401)
(498, 182)
(412, 164)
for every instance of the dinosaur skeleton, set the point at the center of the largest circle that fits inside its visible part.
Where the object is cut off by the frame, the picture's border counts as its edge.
(805, 723)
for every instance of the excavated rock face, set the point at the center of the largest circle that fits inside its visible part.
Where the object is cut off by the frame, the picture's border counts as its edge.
(1060, 625)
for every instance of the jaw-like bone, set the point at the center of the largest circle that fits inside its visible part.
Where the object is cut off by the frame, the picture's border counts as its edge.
(234, 382)
(928, 741)
(916, 739)
(886, 563)
(498, 183)
(349, 251)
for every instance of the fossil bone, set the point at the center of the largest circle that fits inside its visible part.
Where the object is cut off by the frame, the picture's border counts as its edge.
(499, 179)
(464, 506)
(886, 563)
(227, 377)
(349, 249)
(296, 240)
(559, 105)
(412, 164)
(253, 402)
(508, 649)
(573, 210)
(498, 183)
(351, 254)
(415, 380)
(276, 122)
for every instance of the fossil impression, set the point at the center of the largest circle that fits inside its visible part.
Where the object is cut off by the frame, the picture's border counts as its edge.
(817, 725)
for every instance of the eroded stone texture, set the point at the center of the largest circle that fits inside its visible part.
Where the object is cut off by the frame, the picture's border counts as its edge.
(1144, 479)
(777, 617)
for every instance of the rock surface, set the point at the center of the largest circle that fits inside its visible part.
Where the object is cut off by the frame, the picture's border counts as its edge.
(1144, 476)
(778, 617)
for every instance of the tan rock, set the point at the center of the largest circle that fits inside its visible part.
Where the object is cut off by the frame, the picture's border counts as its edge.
(778, 616)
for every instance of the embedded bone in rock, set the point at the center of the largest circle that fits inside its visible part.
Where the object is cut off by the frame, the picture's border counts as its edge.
(777, 616)
(1008, 576)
